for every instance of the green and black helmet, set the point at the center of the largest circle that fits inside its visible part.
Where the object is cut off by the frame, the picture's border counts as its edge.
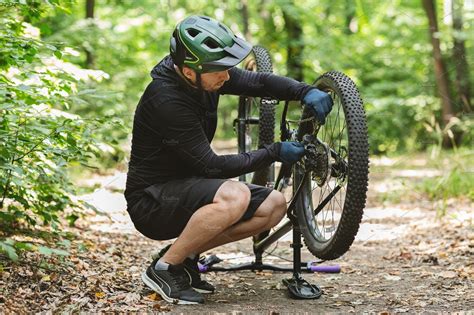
(206, 45)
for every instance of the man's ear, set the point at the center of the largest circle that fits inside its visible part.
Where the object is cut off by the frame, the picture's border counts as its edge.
(189, 73)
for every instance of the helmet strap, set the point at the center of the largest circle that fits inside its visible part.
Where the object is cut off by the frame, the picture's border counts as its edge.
(198, 81)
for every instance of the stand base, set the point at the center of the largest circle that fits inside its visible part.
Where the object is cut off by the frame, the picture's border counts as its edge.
(250, 266)
(208, 263)
(299, 288)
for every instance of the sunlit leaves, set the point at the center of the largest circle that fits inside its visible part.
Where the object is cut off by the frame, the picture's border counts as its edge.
(39, 137)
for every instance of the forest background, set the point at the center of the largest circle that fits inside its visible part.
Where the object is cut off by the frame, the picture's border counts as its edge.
(72, 72)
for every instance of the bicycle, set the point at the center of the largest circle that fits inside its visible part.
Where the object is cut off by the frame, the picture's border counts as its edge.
(328, 188)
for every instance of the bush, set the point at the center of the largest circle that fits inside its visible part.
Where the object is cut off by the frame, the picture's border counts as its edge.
(39, 138)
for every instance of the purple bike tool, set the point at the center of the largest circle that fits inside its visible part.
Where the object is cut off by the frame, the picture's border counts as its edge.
(325, 269)
(202, 268)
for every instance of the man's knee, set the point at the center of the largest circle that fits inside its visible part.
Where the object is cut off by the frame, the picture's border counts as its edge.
(234, 198)
(279, 206)
(273, 208)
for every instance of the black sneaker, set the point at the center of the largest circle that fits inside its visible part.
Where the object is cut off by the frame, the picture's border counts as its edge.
(192, 270)
(171, 284)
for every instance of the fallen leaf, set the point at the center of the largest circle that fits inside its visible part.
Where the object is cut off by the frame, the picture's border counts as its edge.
(448, 274)
(406, 255)
(392, 278)
(99, 295)
(164, 308)
(153, 297)
(401, 310)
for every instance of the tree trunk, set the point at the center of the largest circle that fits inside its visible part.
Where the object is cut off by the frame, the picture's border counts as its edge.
(244, 11)
(441, 74)
(90, 9)
(462, 81)
(89, 15)
(295, 46)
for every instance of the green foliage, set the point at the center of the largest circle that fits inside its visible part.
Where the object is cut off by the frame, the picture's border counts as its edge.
(455, 183)
(383, 46)
(8, 248)
(12, 248)
(457, 179)
(39, 138)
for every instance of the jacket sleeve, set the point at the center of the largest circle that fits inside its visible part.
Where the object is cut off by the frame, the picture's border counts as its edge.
(185, 136)
(251, 83)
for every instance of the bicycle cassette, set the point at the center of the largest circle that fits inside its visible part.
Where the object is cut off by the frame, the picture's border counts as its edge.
(317, 159)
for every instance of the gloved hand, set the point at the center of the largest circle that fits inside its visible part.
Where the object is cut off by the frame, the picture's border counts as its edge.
(319, 102)
(291, 152)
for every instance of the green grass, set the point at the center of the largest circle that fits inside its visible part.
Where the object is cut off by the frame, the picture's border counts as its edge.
(456, 168)
(456, 179)
(431, 159)
(457, 182)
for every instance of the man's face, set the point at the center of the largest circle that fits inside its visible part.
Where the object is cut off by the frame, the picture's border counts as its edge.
(211, 81)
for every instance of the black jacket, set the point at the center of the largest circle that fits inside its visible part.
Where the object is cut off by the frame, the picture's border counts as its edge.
(174, 124)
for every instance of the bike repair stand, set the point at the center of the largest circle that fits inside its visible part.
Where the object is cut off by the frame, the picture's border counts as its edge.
(297, 286)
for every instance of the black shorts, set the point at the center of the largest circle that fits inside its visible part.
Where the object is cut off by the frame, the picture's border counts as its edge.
(162, 211)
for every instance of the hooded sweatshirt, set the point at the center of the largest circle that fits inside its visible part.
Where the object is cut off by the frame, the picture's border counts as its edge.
(175, 123)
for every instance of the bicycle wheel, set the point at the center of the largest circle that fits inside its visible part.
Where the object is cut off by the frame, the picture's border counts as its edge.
(334, 191)
(259, 118)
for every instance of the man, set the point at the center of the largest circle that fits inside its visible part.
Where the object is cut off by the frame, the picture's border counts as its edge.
(176, 184)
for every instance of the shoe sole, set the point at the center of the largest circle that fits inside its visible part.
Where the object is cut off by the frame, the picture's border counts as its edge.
(202, 291)
(152, 285)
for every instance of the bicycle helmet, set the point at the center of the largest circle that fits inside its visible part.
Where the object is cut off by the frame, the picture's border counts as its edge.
(206, 45)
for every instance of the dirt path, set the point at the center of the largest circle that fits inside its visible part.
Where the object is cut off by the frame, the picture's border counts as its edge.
(404, 259)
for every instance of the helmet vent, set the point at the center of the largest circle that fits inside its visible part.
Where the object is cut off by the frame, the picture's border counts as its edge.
(193, 32)
(210, 43)
(222, 26)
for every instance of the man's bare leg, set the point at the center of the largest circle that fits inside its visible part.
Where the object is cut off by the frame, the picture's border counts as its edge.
(229, 204)
(269, 214)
